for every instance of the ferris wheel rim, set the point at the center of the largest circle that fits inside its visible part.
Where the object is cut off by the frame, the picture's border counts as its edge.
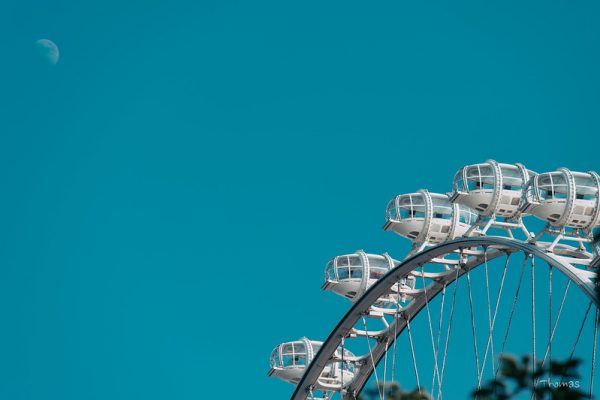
(359, 308)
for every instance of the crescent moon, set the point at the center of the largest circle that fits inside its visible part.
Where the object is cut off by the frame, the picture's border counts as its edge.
(49, 50)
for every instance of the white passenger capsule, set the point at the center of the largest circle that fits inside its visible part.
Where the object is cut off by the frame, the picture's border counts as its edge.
(492, 189)
(289, 361)
(428, 218)
(350, 275)
(565, 199)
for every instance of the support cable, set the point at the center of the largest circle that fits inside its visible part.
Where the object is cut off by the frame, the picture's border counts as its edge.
(474, 331)
(553, 330)
(385, 368)
(512, 312)
(533, 358)
(372, 359)
(435, 360)
(594, 355)
(385, 360)
(587, 311)
(439, 335)
(560, 309)
(396, 330)
(342, 367)
(491, 326)
(490, 338)
(550, 329)
(439, 397)
(412, 350)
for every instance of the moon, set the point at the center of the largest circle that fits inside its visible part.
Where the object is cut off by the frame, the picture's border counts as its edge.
(48, 50)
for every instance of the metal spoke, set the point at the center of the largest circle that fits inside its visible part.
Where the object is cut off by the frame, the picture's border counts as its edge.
(587, 312)
(439, 335)
(550, 329)
(412, 351)
(533, 319)
(396, 330)
(436, 368)
(551, 338)
(553, 329)
(447, 342)
(385, 368)
(342, 379)
(594, 354)
(487, 289)
(490, 338)
(512, 312)
(371, 356)
(474, 331)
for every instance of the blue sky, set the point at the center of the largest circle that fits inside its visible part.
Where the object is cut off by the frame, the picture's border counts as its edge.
(174, 186)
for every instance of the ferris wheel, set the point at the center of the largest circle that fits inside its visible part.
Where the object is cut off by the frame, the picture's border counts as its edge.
(478, 260)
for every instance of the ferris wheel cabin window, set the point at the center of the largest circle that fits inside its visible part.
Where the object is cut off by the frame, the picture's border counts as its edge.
(275, 361)
(392, 211)
(459, 182)
(480, 177)
(343, 267)
(411, 206)
(512, 178)
(293, 354)
(466, 215)
(585, 187)
(442, 208)
(349, 267)
(553, 186)
(330, 271)
(356, 272)
(378, 266)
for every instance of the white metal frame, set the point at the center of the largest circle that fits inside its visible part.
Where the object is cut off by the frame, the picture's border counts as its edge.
(442, 264)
